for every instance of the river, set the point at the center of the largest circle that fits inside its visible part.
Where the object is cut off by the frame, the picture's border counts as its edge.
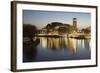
(57, 49)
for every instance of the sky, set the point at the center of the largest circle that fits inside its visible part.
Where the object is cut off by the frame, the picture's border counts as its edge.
(41, 18)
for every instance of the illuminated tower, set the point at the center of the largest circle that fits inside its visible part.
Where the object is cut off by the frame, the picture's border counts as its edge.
(75, 24)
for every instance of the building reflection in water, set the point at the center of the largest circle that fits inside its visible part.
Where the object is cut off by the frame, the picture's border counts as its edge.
(72, 44)
(54, 49)
(63, 43)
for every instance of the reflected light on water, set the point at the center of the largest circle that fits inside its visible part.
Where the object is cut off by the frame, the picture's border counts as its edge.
(57, 48)
(72, 45)
(43, 42)
(59, 43)
(63, 43)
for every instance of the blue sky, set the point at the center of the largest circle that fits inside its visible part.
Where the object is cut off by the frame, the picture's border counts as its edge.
(42, 18)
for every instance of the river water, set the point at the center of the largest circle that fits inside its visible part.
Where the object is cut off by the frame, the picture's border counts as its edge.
(57, 49)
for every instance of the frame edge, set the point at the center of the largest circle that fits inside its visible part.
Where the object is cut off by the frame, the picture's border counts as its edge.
(13, 36)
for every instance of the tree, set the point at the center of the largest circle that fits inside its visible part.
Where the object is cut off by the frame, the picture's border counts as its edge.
(29, 31)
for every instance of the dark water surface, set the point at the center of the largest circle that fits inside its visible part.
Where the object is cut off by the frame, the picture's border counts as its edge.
(56, 49)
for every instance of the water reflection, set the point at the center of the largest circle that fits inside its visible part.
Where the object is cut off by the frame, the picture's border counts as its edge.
(30, 51)
(51, 49)
(63, 43)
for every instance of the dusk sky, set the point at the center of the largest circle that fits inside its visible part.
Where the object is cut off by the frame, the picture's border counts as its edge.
(42, 18)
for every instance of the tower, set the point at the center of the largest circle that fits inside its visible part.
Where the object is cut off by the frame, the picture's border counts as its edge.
(75, 24)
